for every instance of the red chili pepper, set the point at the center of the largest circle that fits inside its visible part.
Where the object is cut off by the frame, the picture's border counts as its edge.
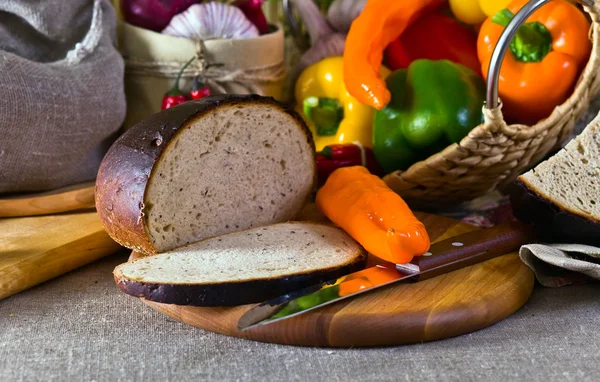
(199, 90)
(170, 100)
(175, 96)
(434, 37)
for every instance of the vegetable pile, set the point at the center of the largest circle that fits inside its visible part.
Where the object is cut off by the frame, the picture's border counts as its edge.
(402, 80)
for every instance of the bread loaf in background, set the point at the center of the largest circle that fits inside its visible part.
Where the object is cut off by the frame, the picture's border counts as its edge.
(205, 168)
(561, 196)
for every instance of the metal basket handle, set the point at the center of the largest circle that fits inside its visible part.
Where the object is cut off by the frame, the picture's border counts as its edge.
(506, 37)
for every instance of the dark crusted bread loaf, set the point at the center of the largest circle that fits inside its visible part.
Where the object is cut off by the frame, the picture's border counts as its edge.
(244, 267)
(561, 196)
(205, 168)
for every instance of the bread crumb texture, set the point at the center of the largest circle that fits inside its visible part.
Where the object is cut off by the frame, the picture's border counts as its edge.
(275, 251)
(571, 178)
(237, 167)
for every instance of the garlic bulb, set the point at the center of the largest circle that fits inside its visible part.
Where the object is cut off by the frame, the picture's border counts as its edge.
(211, 20)
(342, 12)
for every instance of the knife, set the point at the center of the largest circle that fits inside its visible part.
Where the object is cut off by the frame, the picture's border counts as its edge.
(444, 256)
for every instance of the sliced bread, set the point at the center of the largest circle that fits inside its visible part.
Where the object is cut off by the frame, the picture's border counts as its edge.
(561, 196)
(205, 168)
(244, 267)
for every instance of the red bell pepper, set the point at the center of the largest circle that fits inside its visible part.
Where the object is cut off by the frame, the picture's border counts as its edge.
(434, 37)
(345, 155)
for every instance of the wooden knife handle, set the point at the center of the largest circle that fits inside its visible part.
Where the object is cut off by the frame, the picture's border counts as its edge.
(472, 248)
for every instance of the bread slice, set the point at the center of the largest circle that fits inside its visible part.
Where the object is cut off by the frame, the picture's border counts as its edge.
(205, 168)
(561, 196)
(244, 267)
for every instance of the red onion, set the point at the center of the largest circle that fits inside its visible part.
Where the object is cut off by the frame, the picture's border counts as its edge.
(153, 14)
(253, 11)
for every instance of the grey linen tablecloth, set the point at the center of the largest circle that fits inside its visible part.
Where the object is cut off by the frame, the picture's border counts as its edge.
(80, 327)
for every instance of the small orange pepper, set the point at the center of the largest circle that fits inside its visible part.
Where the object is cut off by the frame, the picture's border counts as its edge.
(380, 23)
(374, 215)
(371, 276)
(545, 58)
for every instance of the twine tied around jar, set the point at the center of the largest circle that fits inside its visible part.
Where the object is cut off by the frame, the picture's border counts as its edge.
(215, 75)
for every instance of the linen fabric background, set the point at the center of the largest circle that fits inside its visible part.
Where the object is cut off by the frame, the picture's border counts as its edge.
(61, 91)
(81, 327)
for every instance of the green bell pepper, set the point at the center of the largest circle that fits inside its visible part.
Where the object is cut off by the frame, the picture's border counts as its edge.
(434, 104)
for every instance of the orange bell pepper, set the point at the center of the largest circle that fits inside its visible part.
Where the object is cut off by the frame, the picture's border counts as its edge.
(380, 23)
(544, 60)
(374, 215)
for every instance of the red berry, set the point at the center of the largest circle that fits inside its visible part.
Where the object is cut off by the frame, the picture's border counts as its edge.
(173, 100)
(200, 93)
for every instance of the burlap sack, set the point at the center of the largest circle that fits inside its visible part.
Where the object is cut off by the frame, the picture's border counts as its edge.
(153, 60)
(61, 91)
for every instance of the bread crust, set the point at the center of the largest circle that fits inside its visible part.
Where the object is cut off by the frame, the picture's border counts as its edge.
(553, 223)
(125, 170)
(235, 293)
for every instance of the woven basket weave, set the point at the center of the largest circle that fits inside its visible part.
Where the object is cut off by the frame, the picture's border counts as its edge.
(494, 153)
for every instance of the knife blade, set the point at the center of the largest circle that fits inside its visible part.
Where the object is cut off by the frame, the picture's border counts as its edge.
(444, 256)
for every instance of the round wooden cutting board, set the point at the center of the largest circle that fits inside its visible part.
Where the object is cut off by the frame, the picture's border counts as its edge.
(76, 197)
(449, 305)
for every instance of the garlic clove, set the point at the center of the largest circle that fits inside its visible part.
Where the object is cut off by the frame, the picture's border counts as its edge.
(342, 13)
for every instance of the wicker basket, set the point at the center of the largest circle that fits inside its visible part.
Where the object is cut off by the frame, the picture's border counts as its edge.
(494, 153)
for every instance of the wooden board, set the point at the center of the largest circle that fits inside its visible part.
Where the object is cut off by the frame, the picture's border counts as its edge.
(453, 304)
(36, 249)
(76, 197)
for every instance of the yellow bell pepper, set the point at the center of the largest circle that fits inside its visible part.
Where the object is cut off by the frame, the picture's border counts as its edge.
(476, 11)
(332, 114)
